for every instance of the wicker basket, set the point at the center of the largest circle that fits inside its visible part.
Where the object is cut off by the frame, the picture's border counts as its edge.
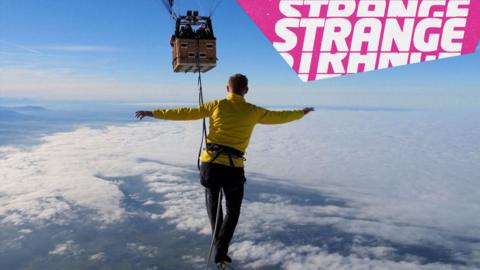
(184, 52)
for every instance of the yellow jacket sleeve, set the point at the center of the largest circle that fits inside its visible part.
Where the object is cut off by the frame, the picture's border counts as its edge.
(192, 113)
(278, 117)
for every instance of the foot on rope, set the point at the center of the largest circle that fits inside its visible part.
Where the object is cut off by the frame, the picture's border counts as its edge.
(224, 266)
(222, 258)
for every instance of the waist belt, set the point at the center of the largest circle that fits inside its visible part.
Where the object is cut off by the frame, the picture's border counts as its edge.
(219, 149)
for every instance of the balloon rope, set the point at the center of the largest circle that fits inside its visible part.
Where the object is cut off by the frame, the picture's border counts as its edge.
(200, 103)
(214, 234)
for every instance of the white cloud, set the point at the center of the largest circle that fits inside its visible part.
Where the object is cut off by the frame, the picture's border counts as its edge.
(73, 48)
(97, 257)
(69, 248)
(150, 202)
(195, 260)
(78, 48)
(401, 181)
(307, 257)
(19, 47)
(143, 250)
(50, 182)
(183, 203)
(25, 231)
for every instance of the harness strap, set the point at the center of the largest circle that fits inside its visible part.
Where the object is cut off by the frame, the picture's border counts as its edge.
(218, 149)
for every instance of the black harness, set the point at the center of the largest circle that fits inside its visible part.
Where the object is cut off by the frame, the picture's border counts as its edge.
(219, 149)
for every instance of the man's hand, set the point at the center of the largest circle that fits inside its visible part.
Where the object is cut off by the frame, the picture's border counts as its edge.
(307, 110)
(141, 114)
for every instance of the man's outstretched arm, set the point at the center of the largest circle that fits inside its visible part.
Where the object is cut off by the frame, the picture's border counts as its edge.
(279, 117)
(179, 114)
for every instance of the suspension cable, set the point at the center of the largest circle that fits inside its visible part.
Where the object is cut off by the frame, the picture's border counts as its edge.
(215, 229)
(200, 103)
(214, 8)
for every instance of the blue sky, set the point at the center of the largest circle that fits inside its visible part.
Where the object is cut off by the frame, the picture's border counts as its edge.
(118, 50)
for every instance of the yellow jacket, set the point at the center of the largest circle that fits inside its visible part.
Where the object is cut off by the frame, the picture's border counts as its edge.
(231, 123)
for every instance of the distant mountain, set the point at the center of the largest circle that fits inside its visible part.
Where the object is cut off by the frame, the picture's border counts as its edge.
(11, 115)
(20, 112)
(29, 108)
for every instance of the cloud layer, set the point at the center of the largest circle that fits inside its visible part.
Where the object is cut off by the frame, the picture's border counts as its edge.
(393, 179)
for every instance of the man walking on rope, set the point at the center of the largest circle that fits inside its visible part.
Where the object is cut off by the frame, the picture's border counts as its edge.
(232, 121)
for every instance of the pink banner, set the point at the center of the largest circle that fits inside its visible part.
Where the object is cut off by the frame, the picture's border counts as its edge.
(321, 39)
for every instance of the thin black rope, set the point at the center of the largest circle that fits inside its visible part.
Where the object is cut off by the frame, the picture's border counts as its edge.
(214, 8)
(214, 233)
(200, 104)
(169, 6)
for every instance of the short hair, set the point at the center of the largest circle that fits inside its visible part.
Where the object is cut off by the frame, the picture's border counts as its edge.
(238, 82)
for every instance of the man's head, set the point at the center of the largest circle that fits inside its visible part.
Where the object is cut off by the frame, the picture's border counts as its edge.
(238, 84)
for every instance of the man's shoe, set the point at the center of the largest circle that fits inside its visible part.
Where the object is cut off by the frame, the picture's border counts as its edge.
(221, 266)
(227, 259)
(222, 258)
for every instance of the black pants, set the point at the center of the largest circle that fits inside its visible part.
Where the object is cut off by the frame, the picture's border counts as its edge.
(231, 180)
